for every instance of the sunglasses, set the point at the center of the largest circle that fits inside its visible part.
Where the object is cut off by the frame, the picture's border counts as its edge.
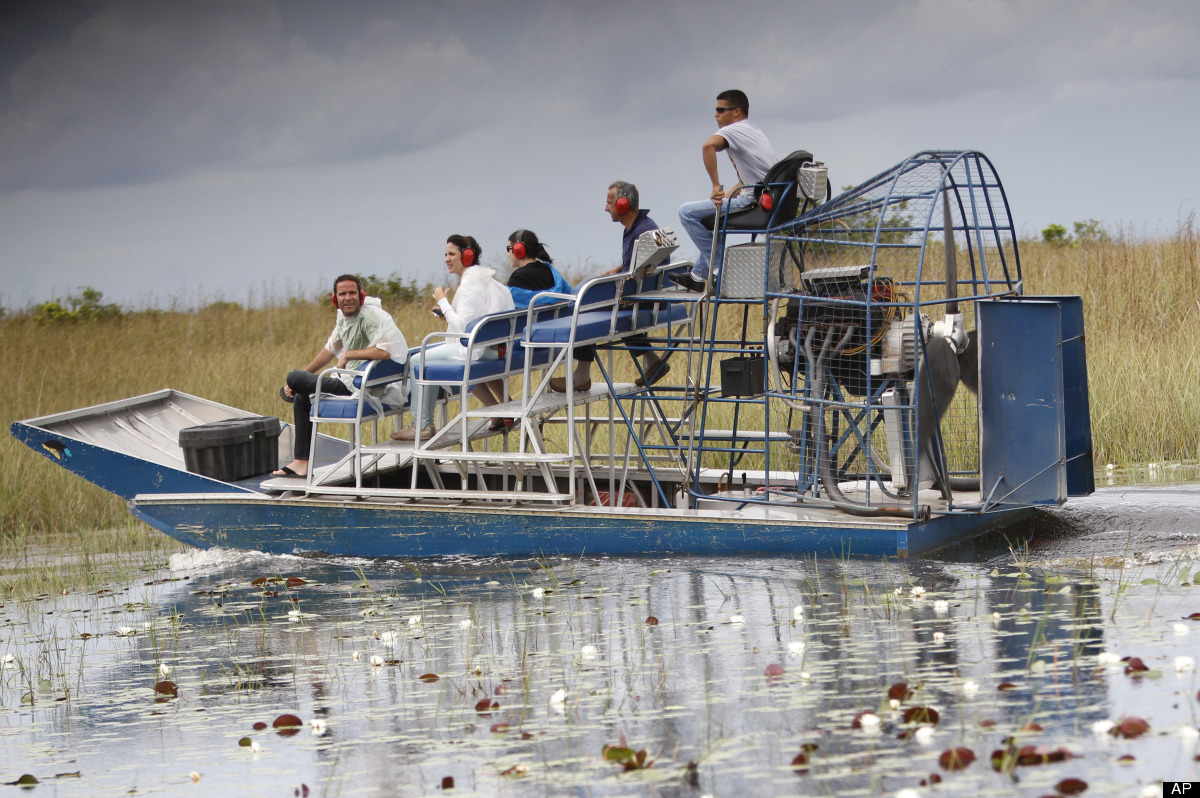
(509, 248)
(721, 110)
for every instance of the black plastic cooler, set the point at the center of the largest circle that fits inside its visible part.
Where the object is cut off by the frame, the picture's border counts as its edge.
(232, 449)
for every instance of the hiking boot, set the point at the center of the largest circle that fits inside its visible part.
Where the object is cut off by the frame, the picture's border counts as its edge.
(409, 433)
(559, 384)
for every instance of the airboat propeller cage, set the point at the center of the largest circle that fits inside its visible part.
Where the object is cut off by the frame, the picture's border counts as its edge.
(930, 238)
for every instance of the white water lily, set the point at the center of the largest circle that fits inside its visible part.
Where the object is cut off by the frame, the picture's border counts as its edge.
(869, 721)
(9, 661)
(1184, 663)
(294, 615)
(164, 669)
(255, 747)
(737, 619)
(805, 676)
(917, 591)
(797, 613)
(538, 592)
(898, 591)
(356, 656)
(588, 652)
(194, 776)
(126, 631)
(924, 735)
(796, 649)
(558, 701)
(1107, 659)
(1180, 629)
(387, 638)
(376, 660)
(939, 637)
(414, 620)
(1102, 727)
(465, 623)
(941, 606)
(970, 688)
(318, 726)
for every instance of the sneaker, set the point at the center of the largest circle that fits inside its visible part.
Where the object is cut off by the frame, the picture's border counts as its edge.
(655, 371)
(409, 433)
(559, 384)
(688, 282)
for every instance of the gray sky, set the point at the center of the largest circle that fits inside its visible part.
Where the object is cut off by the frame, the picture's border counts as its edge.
(167, 151)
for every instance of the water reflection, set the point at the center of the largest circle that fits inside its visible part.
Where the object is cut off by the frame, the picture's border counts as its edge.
(532, 667)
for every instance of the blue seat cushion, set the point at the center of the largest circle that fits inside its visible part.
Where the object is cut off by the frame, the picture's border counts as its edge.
(596, 325)
(347, 408)
(451, 371)
(382, 373)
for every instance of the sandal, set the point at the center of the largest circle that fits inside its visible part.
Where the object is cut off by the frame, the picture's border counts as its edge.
(284, 396)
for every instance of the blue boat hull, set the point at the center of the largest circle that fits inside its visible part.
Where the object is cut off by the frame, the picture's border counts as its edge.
(283, 526)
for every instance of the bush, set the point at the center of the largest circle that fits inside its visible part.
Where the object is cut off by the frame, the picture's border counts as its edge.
(84, 306)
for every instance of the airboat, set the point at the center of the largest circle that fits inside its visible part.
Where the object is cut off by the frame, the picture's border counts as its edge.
(863, 375)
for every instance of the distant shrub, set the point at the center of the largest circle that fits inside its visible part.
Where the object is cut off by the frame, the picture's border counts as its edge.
(1056, 235)
(86, 306)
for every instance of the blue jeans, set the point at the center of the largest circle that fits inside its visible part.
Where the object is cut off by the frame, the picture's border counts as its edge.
(424, 397)
(696, 219)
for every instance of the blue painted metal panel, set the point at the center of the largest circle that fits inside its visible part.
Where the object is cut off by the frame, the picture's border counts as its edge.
(117, 473)
(285, 526)
(1021, 404)
(1081, 474)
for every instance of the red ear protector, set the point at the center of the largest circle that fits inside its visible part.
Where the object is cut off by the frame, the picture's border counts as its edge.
(362, 296)
(468, 257)
(518, 246)
(624, 202)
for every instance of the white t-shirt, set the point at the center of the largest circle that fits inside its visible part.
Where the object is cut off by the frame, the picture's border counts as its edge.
(749, 149)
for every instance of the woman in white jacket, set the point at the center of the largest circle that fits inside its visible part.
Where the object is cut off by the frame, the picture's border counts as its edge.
(479, 293)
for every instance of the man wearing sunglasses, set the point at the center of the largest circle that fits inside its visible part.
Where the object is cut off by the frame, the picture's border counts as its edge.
(752, 155)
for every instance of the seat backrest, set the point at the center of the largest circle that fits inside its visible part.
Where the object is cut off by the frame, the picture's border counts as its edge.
(780, 183)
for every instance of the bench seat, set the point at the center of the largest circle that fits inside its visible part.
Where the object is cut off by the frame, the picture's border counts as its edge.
(598, 325)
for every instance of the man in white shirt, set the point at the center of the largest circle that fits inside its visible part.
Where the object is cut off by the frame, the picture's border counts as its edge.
(363, 331)
(752, 155)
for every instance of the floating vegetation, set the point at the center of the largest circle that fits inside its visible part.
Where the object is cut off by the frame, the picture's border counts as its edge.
(720, 676)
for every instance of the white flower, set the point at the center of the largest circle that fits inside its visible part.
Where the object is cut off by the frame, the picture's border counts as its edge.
(805, 676)
(318, 726)
(465, 623)
(376, 660)
(538, 592)
(924, 735)
(893, 704)
(414, 620)
(939, 637)
(255, 747)
(737, 619)
(164, 669)
(996, 617)
(558, 701)
(1107, 659)
(1184, 664)
(294, 615)
(588, 652)
(869, 721)
(941, 606)
(1110, 468)
(387, 638)
(1180, 629)
(356, 656)
(899, 591)
(126, 631)
(970, 688)
(1102, 727)
(797, 613)
(917, 591)
(796, 649)
(9, 661)
(194, 776)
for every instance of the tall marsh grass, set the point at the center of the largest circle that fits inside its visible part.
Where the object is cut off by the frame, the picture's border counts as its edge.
(1141, 302)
